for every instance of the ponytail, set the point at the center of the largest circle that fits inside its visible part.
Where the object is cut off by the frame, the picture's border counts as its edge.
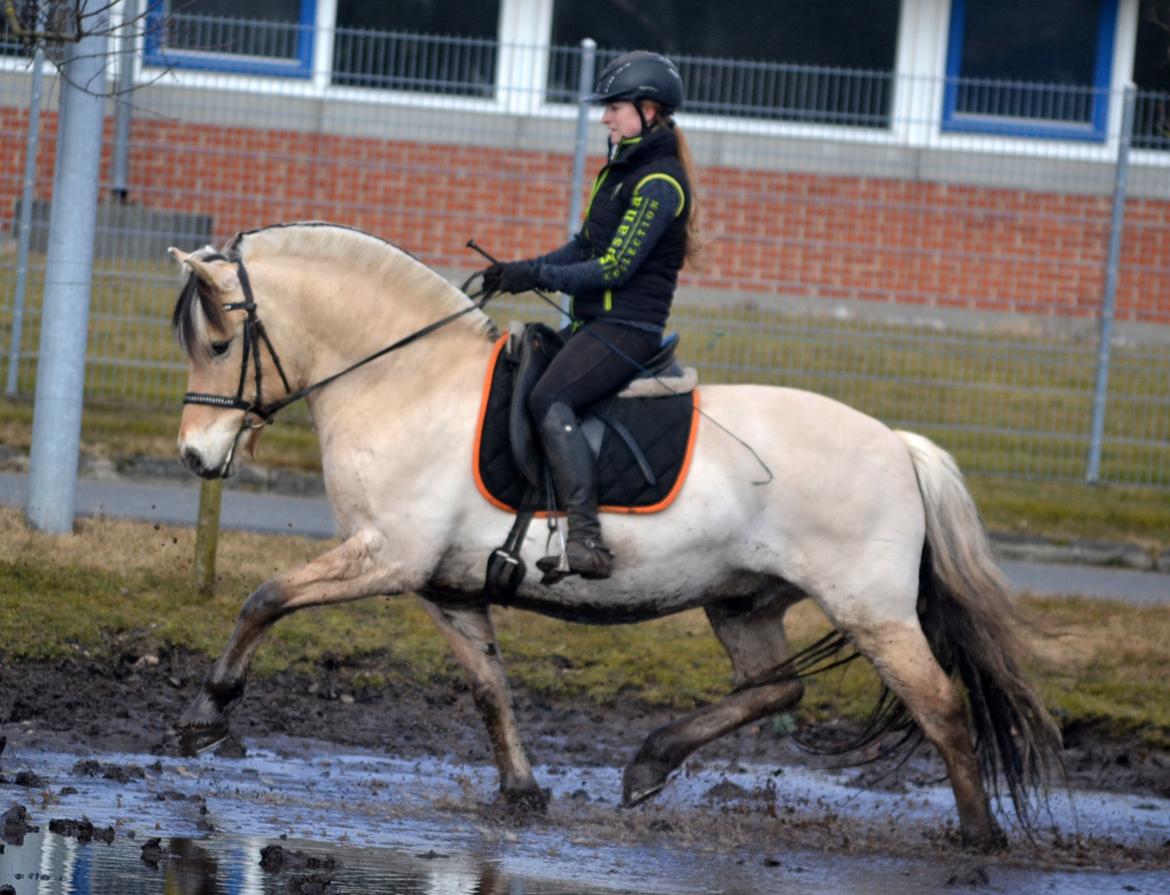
(695, 240)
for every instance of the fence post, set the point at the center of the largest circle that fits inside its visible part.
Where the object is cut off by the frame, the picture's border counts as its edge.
(580, 147)
(27, 197)
(1112, 263)
(584, 88)
(207, 535)
(56, 435)
(120, 172)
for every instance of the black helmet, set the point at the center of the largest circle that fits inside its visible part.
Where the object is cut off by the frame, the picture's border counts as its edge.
(640, 75)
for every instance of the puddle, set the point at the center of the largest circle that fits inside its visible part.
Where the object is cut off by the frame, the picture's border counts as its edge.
(422, 827)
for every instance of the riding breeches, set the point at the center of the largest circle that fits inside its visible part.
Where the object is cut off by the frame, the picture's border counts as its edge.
(598, 359)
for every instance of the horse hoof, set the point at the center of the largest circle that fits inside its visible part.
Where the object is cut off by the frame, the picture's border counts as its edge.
(197, 738)
(526, 802)
(642, 781)
(986, 841)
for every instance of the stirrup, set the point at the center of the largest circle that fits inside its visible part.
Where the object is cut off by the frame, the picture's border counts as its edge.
(555, 567)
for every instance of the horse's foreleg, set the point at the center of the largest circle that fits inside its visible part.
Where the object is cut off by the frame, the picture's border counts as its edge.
(472, 636)
(752, 633)
(348, 572)
(905, 662)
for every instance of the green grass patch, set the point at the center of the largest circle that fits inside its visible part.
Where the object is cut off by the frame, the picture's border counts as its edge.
(117, 590)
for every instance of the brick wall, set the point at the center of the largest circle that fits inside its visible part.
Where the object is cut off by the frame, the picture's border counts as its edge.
(770, 232)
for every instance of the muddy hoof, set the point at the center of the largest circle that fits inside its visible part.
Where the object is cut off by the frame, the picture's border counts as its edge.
(525, 802)
(643, 780)
(986, 841)
(195, 738)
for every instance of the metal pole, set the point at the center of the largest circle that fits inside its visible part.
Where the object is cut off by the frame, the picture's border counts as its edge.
(27, 198)
(56, 436)
(580, 147)
(1112, 263)
(584, 88)
(207, 535)
(120, 174)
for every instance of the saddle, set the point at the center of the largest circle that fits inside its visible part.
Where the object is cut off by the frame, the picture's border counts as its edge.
(642, 437)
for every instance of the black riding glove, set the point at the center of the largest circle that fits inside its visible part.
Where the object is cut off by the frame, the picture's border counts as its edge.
(509, 276)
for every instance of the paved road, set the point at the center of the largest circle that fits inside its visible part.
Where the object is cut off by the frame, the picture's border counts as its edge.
(175, 504)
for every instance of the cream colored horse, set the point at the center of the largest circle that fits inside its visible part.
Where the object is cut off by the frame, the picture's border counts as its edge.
(876, 526)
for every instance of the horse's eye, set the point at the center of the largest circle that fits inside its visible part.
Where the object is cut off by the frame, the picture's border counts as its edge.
(218, 349)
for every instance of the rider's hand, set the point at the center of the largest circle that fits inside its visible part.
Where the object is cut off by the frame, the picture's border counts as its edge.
(509, 276)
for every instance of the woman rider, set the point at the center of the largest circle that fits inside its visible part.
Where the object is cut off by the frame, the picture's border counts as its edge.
(621, 269)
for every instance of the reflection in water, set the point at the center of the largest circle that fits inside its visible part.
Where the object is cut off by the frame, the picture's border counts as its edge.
(336, 805)
(49, 864)
(190, 870)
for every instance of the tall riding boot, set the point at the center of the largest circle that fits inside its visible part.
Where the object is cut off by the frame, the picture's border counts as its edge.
(567, 453)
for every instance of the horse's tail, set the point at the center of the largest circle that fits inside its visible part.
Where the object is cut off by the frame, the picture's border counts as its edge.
(972, 623)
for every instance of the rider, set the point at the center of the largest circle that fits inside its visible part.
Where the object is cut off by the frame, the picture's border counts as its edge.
(621, 269)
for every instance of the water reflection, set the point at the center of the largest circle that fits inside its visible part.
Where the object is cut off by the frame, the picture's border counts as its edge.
(49, 864)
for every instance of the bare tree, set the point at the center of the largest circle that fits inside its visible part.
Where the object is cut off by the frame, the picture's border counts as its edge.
(48, 25)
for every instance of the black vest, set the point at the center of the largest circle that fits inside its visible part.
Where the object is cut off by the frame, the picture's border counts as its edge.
(646, 296)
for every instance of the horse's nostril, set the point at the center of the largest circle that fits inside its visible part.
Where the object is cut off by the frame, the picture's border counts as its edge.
(193, 461)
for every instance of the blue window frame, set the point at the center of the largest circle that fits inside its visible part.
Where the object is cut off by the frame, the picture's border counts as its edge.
(275, 39)
(1037, 69)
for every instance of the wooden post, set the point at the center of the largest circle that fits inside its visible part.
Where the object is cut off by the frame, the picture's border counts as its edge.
(207, 536)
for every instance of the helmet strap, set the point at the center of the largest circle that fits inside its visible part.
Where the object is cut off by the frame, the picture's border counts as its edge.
(641, 116)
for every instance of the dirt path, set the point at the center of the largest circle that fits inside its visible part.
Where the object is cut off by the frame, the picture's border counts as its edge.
(95, 708)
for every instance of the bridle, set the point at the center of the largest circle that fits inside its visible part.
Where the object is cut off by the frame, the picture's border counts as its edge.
(255, 335)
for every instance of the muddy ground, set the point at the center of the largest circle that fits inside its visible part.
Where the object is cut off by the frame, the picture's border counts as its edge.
(95, 707)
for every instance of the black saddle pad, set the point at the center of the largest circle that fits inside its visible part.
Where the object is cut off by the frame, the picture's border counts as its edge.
(663, 428)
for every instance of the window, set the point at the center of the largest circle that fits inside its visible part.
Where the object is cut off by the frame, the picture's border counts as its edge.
(796, 60)
(10, 44)
(1151, 75)
(1038, 69)
(435, 46)
(275, 37)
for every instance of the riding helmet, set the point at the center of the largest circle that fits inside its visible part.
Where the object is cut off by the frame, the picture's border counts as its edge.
(640, 75)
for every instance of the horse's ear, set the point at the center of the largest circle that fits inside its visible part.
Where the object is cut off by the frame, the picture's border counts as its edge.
(220, 275)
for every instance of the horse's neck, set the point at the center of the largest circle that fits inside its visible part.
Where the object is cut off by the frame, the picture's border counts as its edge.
(425, 392)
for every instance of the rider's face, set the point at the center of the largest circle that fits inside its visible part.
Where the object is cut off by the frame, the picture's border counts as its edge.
(622, 120)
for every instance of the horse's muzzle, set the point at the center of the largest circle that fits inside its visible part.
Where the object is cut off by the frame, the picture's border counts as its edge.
(193, 460)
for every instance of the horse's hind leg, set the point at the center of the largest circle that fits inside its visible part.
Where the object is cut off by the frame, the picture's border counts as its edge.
(903, 658)
(348, 572)
(752, 633)
(472, 636)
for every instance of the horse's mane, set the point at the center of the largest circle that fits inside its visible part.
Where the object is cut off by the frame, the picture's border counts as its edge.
(198, 310)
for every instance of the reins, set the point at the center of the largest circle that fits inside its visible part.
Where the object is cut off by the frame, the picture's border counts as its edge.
(254, 334)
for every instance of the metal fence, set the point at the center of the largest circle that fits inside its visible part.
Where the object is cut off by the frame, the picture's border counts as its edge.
(868, 239)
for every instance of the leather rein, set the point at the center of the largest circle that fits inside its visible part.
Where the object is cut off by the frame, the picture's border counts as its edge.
(255, 335)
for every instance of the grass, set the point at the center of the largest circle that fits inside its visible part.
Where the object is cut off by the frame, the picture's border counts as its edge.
(117, 590)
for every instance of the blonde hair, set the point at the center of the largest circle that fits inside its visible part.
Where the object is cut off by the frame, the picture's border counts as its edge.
(695, 240)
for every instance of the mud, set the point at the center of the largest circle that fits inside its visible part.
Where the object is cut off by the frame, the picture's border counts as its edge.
(749, 803)
(82, 830)
(130, 706)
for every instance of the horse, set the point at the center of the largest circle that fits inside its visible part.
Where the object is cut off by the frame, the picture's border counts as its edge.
(875, 525)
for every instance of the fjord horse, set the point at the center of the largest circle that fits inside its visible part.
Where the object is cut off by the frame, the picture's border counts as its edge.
(876, 526)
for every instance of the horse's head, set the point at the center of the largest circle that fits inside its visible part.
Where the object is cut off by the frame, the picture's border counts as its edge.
(214, 322)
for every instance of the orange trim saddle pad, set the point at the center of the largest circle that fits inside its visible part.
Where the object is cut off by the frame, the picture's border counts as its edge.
(663, 428)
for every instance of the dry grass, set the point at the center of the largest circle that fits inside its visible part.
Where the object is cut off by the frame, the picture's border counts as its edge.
(124, 588)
